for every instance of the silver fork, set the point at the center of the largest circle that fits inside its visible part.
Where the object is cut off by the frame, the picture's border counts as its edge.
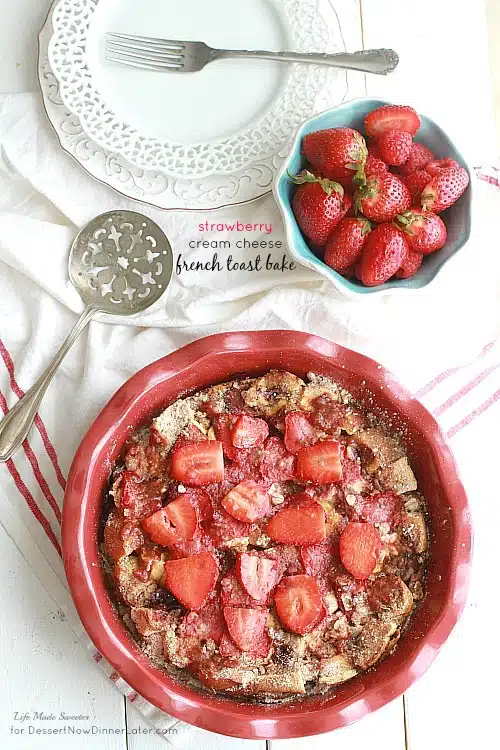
(168, 55)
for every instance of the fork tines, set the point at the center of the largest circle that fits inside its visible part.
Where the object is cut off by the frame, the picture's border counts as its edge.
(145, 52)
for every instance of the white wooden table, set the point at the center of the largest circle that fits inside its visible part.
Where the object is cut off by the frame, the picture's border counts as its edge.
(46, 669)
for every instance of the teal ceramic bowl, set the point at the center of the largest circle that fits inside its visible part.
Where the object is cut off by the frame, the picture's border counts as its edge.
(458, 218)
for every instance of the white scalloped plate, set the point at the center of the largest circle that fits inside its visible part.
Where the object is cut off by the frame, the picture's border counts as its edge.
(151, 184)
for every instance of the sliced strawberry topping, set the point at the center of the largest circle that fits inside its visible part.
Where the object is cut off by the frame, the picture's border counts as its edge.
(257, 573)
(191, 579)
(320, 463)
(223, 426)
(190, 434)
(360, 548)
(206, 624)
(317, 558)
(245, 465)
(200, 543)
(276, 463)
(140, 499)
(288, 558)
(299, 432)
(247, 629)
(201, 502)
(302, 524)
(228, 647)
(247, 502)
(232, 593)
(198, 463)
(225, 528)
(249, 432)
(299, 604)
(384, 507)
(177, 521)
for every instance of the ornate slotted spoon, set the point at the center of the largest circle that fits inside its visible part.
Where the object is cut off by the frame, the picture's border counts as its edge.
(120, 264)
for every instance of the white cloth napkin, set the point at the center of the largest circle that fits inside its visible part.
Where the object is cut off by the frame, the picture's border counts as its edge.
(440, 342)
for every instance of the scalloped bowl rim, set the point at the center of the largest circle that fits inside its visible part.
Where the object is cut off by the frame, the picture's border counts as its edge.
(404, 286)
(213, 359)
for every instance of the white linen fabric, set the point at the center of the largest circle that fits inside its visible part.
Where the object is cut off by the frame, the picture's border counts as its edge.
(440, 342)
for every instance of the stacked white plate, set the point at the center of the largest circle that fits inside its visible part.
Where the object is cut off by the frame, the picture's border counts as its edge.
(194, 141)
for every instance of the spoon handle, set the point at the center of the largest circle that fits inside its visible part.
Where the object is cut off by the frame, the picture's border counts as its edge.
(16, 425)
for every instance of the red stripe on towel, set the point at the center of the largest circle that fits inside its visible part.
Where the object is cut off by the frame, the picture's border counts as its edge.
(49, 447)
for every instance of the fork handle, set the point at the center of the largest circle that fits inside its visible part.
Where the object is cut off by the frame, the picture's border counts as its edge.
(379, 61)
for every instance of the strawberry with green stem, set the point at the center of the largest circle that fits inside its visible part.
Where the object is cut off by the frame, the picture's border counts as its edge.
(425, 232)
(346, 242)
(444, 189)
(382, 197)
(337, 153)
(318, 205)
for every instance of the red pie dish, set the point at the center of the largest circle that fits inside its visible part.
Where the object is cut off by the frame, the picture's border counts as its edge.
(284, 506)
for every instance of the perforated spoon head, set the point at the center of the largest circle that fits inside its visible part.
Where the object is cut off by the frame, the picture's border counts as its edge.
(120, 263)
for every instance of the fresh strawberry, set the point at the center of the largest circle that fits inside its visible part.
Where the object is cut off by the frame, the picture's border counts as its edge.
(394, 147)
(317, 558)
(318, 206)
(436, 166)
(249, 432)
(276, 463)
(223, 427)
(384, 252)
(392, 117)
(247, 629)
(258, 573)
(347, 202)
(382, 198)
(176, 521)
(410, 266)
(444, 189)
(337, 152)
(344, 246)
(320, 463)
(247, 502)
(299, 432)
(420, 156)
(191, 579)
(425, 232)
(375, 165)
(232, 593)
(300, 524)
(139, 500)
(416, 182)
(198, 464)
(299, 604)
(360, 548)
(383, 507)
